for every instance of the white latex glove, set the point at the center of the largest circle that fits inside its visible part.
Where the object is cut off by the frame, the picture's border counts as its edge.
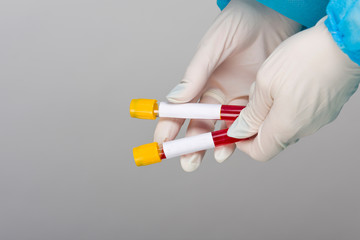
(301, 87)
(225, 66)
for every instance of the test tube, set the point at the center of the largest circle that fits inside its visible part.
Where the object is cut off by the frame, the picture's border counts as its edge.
(151, 109)
(153, 152)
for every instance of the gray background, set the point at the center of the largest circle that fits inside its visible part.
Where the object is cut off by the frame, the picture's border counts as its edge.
(68, 72)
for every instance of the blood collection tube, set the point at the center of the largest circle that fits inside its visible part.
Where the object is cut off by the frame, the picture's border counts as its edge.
(151, 109)
(153, 152)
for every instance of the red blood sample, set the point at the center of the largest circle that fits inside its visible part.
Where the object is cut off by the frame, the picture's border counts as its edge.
(220, 138)
(162, 154)
(230, 112)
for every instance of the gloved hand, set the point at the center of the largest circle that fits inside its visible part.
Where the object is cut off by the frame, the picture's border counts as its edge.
(224, 67)
(301, 87)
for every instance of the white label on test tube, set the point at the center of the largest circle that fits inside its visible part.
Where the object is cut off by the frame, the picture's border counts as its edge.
(190, 110)
(187, 145)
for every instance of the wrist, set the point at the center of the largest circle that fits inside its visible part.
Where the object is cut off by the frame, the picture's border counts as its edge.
(344, 25)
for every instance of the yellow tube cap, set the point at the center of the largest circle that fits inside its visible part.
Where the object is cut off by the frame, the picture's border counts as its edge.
(143, 108)
(146, 154)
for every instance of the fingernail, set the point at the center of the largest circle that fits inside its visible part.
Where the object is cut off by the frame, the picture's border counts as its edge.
(222, 153)
(175, 93)
(190, 163)
(160, 139)
(240, 129)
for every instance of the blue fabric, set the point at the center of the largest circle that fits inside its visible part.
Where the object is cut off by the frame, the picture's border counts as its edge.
(343, 19)
(306, 12)
(344, 25)
(222, 3)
